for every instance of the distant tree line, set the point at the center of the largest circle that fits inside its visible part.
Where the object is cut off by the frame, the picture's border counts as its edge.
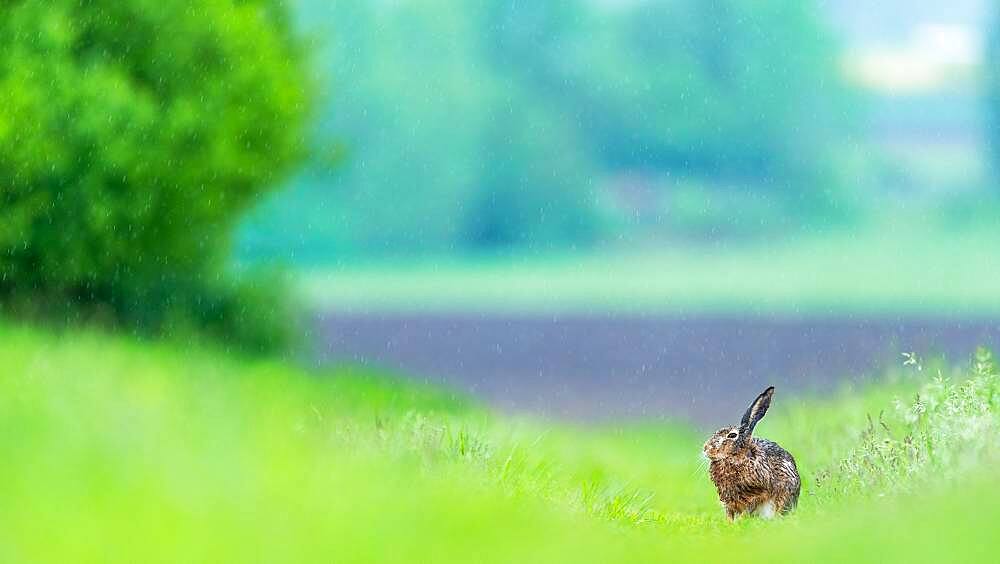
(492, 124)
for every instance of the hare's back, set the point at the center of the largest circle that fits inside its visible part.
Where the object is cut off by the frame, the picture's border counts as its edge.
(780, 460)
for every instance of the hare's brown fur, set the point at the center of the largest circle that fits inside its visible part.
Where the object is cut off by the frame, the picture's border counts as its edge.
(751, 474)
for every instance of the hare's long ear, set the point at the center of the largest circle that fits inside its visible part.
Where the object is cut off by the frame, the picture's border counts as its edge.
(755, 413)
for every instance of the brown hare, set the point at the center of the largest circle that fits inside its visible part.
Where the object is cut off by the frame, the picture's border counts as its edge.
(753, 476)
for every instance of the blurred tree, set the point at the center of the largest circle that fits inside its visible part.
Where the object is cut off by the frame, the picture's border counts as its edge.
(133, 136)
(718, 87)
(446, 149)
(535, 186)
(992, 87)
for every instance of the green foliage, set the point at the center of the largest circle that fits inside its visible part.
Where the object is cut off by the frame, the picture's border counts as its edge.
(254, 311)
(133, 137)
(948, 428)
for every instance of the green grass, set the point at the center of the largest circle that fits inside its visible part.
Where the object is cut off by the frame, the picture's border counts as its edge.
(119, 451)
(906, 266)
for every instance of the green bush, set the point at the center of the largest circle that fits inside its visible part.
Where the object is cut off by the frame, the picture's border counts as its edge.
(133, 136)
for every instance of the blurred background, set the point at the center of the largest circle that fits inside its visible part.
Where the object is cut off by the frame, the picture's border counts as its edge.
(583, 208)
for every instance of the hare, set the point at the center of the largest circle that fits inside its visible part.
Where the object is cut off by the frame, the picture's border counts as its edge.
(753, 476)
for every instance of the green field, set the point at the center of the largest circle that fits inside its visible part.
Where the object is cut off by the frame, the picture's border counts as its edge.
(906, 266)
(121, 451)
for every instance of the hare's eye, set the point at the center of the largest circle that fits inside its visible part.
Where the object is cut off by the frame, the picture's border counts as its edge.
(732, 435)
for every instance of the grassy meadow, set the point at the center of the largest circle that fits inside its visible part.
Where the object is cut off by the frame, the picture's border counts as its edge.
(125, 451)
(907, 265)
